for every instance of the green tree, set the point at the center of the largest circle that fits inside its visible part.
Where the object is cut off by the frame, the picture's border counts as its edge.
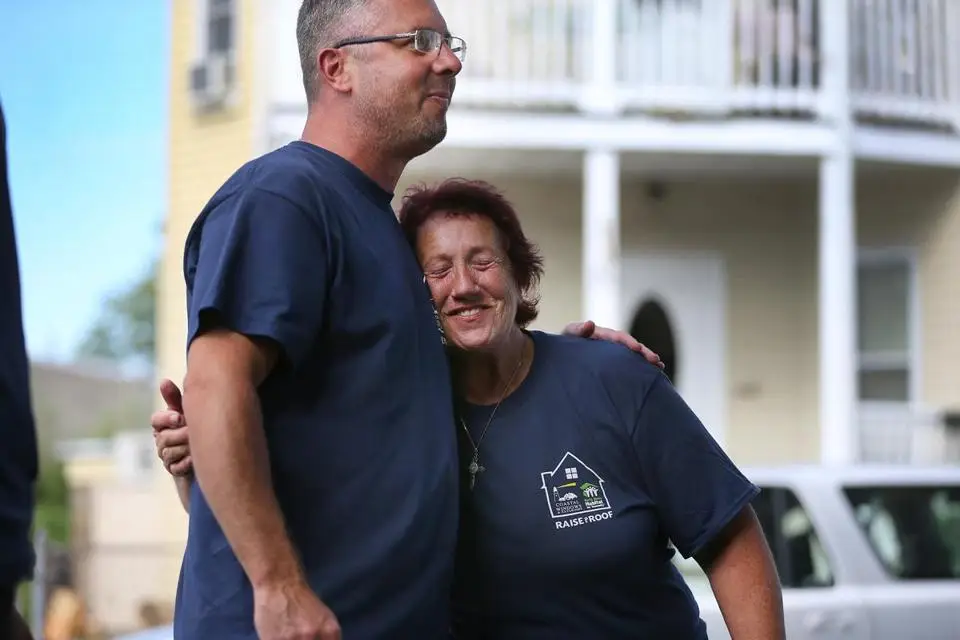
(53, 500)
(126, 327)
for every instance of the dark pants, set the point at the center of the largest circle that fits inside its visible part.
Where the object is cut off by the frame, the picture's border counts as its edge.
(12, 625)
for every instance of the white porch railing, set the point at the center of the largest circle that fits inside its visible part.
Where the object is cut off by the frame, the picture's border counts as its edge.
(719, 56)
(906, 436)
(905, 60)
(521, 53)
(713, 57)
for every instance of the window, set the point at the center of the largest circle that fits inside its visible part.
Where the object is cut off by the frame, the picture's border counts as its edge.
(652, 326)
(218, 26)
(800, 558)
(571, 473)
(914, 531)
(799, 555)
(885, 292)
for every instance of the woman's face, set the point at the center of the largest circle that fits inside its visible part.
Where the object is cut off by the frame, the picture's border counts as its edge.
(469, 277)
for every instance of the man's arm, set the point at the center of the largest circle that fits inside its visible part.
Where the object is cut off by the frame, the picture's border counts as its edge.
(258, 268)
(589, 329)
(229, 451)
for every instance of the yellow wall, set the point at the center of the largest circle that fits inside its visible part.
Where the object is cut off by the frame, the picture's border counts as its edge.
(84, 472)
(204, 150)
(940, 303)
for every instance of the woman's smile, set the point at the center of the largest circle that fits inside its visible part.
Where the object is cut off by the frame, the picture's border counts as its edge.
(472, 314)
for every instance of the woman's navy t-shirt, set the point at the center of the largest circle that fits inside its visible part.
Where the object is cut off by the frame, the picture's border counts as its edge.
(592, 467)
(302, 247)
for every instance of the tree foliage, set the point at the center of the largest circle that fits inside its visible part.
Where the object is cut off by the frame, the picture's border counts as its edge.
(53, 500)
(126, 327)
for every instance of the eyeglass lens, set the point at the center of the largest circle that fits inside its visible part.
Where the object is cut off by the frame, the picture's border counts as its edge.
(427, 41)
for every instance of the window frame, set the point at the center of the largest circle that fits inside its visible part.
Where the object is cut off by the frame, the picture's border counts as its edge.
(910, 359)
(204, 17)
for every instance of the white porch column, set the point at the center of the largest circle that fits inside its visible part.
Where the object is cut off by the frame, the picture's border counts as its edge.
(839, 430)
(601, 237)
(600, 97)
(838, 309)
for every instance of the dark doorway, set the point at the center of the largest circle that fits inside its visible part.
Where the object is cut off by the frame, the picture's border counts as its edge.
(652, 327)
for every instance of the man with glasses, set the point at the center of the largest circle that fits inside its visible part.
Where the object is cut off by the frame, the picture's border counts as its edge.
(317, 386)
(18, 454)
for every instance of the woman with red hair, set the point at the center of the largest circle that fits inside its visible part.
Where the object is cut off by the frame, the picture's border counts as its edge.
(581, 462)
(582, 466)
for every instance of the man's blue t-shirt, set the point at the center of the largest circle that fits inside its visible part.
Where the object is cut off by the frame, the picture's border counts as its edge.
(592, 467)
(18, 451)
(302, 247)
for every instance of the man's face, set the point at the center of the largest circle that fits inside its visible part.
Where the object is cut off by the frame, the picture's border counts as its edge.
(402, 94)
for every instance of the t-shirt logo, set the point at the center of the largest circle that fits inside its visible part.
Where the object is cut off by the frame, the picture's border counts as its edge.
(575, 493)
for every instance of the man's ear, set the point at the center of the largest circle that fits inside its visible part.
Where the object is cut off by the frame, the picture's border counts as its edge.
(332, 70)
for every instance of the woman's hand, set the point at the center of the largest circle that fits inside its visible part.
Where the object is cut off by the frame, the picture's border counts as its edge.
(170, 433)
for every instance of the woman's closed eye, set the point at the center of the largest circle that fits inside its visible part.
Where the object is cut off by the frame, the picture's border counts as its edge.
(437, 273)
(484, 262)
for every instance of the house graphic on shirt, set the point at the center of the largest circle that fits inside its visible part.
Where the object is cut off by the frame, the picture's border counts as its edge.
(573, 488)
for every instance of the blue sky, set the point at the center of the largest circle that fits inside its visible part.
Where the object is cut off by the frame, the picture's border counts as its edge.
(84, 91)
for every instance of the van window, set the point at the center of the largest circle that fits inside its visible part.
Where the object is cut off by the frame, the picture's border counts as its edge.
(913, 530)
(800, 558)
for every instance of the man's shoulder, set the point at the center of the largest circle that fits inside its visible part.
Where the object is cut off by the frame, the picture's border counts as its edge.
(286, 178)
(291, 172)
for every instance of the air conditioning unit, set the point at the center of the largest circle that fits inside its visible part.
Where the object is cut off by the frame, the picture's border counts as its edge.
(211, 80)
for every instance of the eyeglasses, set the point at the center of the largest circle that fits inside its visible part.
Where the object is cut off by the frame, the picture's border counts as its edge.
(423, 41)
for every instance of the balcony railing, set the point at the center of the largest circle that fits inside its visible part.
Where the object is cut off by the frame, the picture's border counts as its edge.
(713, 57)
(905, 60)
(522, 52)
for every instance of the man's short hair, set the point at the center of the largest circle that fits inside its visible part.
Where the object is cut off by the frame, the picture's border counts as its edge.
(320, 24)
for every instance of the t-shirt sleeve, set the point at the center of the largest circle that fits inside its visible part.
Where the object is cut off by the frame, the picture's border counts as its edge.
(261, 268)
(695, 486)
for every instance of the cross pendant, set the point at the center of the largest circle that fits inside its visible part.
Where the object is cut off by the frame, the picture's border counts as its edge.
(474, 468)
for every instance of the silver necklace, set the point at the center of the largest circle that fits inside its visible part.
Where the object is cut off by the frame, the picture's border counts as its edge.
(475, 467)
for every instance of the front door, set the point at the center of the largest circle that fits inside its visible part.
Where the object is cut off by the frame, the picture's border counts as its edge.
(676, 304)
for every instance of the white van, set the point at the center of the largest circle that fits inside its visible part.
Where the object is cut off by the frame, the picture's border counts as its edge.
(863, 552)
